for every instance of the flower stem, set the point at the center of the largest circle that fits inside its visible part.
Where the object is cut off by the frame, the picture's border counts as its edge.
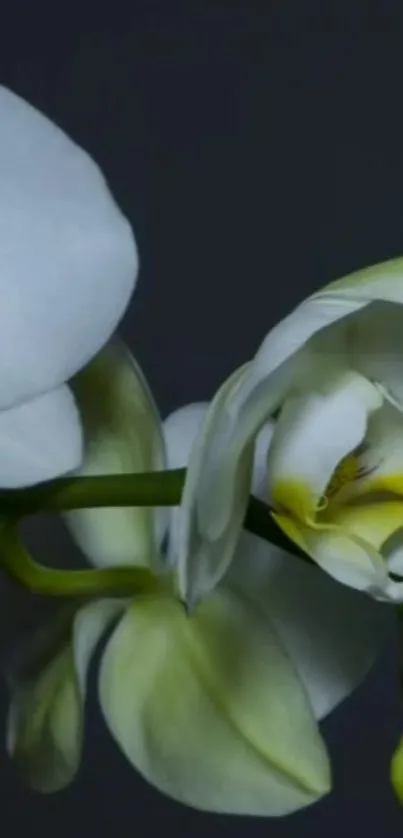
(151, 489)
(162, 488)
(117, 581)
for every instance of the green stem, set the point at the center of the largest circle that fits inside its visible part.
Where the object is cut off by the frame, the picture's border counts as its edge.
(119, 581)
(148, 489)
(154, 489)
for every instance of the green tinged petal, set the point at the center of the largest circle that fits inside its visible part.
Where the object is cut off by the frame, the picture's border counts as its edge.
(123, 435)
(210, 710)
(46, 717)
(383, 281)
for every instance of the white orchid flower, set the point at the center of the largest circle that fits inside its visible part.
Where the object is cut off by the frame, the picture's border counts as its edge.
(329, 375)
(68, 265)
(217, 709)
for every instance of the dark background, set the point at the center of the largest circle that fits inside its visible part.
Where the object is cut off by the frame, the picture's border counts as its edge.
(257, 148)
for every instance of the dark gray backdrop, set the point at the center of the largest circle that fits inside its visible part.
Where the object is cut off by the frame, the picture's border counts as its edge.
(257, 148)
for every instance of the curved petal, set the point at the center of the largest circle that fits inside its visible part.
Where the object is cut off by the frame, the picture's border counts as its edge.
(46, 717)
(331, 633)
(313, 434)
(210, 710)
(180, 430)
(68, 260)
(203, 552)
(40, 440)
(123, 434)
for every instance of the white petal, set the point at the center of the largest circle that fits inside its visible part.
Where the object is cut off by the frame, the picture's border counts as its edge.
(46, 717)
(310, 318)
(40, 440)
(313, 434)
(203, 552)
(210, 709)
(68, 260)
(331, 633)
(124, 435)
(180, 429)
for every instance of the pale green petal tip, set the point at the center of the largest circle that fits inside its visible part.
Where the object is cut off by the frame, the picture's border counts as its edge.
(389, 272)
(44, 731)
(396, 771)
(45, 725)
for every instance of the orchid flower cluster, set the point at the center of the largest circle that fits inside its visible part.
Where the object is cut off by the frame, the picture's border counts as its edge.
(224, 647)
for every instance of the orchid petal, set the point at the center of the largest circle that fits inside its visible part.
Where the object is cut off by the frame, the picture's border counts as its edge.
(68, 261)
(331, 633)
(203, 551)
(40, 439)
(210, 710)
(180, 431)
(45, 723)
